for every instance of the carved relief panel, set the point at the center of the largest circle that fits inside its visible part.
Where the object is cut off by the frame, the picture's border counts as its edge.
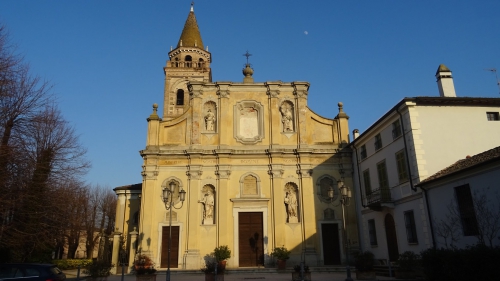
(248, 122)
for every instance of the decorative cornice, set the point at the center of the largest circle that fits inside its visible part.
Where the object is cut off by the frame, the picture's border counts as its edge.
(305, 170)
(300, 89)
(223, 89)
(149, 174)
(223, 171)
(276, 171)
(277, 174)
(223, 174)
(194, 172)
(273, 89)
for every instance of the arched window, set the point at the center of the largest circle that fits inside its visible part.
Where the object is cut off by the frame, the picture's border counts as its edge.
(180, 97)
(201, 62)
(189, 60)
(176, 62)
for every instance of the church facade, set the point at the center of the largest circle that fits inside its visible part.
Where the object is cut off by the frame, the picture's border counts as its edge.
(244, 164)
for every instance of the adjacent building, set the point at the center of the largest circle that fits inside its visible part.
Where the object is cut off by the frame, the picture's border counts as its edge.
(464, 201)
(413, 140)
(255, 166)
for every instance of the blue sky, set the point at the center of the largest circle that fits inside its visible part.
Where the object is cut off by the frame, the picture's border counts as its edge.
(106, 58)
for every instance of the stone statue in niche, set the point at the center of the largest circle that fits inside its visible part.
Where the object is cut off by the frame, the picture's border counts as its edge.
(210, 121)
(287, 117)
(291, 204)
(208, 206)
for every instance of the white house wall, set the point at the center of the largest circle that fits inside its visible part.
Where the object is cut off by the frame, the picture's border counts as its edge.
(436, 136)
(442, 194)
(445, 134)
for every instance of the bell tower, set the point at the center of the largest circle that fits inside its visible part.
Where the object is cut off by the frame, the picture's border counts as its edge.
(189, 61)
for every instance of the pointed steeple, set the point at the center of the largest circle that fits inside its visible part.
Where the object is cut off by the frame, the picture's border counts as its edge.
(191, 36)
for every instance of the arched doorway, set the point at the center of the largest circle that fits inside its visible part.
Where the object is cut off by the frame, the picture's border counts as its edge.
(392, 240)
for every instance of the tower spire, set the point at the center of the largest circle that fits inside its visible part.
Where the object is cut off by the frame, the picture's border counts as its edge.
(191, 36)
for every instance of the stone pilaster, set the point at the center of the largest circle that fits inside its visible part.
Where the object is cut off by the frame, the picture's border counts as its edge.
(273, 92)
(300, 92)
(196, 93)
(133, 250)
(224, 215)
(116, 251)
(225, 117)
(278, 217)
(192, 255)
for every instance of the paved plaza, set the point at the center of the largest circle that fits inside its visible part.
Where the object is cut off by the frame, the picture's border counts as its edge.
(250, 276)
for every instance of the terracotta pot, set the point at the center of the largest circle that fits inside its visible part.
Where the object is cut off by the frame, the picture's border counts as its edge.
(365, 275)
(296, 276)
(211, 277)
(145, 277)
(222, 265)
(281, 264)
(403, 274)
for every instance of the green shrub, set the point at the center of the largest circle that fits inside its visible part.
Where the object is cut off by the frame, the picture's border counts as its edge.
(408, 261)
(222, 253)
(98, 268)
(281, 253)
(72, 263)
(364, 261)
(477, 262)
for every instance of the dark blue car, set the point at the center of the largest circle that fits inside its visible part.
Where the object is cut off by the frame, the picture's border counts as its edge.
(30, 272)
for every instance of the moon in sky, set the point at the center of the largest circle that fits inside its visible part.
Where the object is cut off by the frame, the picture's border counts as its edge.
(305, 32)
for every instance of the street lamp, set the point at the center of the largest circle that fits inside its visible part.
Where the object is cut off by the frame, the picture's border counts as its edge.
(168, 199)
(345, 200)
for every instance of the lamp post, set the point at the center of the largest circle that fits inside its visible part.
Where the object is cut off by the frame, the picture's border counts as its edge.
(167, 198)
(345, 200)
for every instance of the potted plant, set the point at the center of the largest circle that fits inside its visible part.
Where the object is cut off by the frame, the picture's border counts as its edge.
(98, 270)
(364, 262)
(209, 271)
(281, 254)
(144, 268)
(221, 254)
(407, 264)
(296, 273)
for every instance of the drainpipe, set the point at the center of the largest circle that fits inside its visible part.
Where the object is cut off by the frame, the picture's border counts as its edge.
(406, 151)
(411, 180)
(429, 216)
(359, 175)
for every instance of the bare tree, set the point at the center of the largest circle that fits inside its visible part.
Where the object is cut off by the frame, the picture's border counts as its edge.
(487, 214)
(449, 227)
(54, 155)
(100, 216)
(22, 96)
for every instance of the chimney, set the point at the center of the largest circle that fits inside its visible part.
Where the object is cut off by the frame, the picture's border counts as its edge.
(355, 134)
(445, 82)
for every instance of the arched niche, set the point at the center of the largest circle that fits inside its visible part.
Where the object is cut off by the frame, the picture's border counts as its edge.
(209, 204)
(287, 117)
(210, 117)
(291, 201)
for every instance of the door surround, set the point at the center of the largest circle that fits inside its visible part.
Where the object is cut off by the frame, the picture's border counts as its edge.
(160, 235)
(236, 223)
(341, 237)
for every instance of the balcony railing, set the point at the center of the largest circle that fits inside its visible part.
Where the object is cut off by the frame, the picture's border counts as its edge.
(378, 198)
